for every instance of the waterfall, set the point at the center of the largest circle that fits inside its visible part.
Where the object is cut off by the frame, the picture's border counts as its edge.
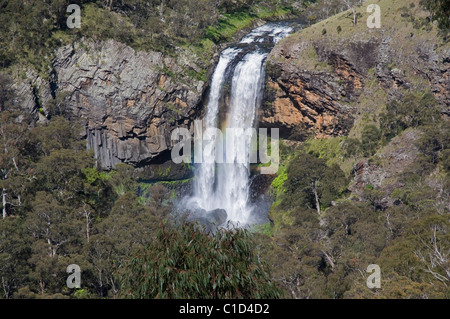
(205, 177)
(239, 76)
(233, 184)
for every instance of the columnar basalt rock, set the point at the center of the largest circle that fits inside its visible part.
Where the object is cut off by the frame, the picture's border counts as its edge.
(130, 100)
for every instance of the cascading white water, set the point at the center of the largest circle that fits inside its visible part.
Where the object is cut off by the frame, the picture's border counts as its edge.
(205, 177)
(226, 185)
(233, 184)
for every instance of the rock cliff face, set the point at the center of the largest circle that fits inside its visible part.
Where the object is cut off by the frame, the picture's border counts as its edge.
(329, 83)
(317, 84)
(130, 101)
(315, 100)
(299, 101)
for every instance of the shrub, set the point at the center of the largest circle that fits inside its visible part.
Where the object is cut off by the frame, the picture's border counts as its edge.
(370, 139)
(185, 262)
(351, 147)
(445, 159)
(434, 140)
(310, 182)
(412, 111)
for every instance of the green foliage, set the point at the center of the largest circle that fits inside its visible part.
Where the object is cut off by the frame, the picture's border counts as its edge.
(434, 141)
(374, 197)
(415, 256)
(63, 210)
(440, 11)
(17, 160)
(311, 182)
(412, 111)
(123, 179)
(32, 32)
(59, 134)
(370, 140)
(445, 159)
(14, 251)
(242, 17)
(326, 148)
(91, 27)
(185, 262)
(274, 71)
(351, 147)
(130, 225)
(266, 229)
(6, 92)
(278, 182)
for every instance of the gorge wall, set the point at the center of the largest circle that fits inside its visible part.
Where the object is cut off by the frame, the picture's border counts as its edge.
(334, 79)
(129, 101)
(317, 83)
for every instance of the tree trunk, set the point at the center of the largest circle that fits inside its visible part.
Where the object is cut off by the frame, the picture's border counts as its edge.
(4, 203)
(354, 17)
(316, 197)
(5, 289)
(349, 6)
(329, 259)
(88, 222)
(161, 11)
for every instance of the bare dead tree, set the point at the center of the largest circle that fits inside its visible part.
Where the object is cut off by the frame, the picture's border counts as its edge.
(351, 6)
(316, 196)
(435, 258)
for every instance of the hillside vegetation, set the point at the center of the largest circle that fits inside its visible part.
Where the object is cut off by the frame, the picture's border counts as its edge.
(32, 31)
(381, 194)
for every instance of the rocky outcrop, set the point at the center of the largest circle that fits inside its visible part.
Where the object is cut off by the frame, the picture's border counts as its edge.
(309, 101)
(384, 171)
(324, 100)
(129, 101)
(31, 93)
(312, 100)
(434, 65)
(210, 221)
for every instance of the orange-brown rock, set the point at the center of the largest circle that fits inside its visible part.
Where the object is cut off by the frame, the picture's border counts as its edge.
(304, 99)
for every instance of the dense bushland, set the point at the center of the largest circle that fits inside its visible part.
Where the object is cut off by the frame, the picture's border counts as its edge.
(402, 227)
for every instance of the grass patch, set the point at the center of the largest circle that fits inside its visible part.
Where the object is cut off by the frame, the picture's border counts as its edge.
(229, 24)
(330, 149)
(394, 21)
(264, 229)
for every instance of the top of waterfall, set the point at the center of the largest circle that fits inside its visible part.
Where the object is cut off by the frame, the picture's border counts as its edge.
(274, 31)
